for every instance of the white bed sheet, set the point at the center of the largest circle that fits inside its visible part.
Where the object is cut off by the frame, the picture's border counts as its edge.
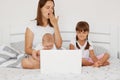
(111, 72)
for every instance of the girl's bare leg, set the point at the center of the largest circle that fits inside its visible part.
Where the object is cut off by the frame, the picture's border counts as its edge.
(86, 63)
(104, 59)
(106, 63)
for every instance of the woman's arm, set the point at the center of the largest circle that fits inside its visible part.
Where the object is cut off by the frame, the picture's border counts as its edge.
(28, 41)
(93, 56)
(57, 36)
(28, 45)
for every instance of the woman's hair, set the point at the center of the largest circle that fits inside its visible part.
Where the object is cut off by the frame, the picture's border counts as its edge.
(41, 3)
(82, 26)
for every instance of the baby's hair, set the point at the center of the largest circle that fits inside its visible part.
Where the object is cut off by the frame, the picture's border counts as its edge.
(82, 26)
(48, 37)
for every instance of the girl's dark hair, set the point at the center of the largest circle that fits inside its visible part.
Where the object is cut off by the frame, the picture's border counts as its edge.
(87, 46)
(82, 26)
(41, 3)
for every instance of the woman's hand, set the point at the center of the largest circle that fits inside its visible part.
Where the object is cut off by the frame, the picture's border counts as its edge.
(57, 36)
(53, 19)
(36, 55)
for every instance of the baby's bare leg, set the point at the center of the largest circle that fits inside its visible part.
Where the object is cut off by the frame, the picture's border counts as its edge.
(104, 59)
(30, 63)
(86, 63)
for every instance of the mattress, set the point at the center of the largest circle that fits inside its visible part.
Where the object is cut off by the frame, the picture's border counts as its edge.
(110, 72)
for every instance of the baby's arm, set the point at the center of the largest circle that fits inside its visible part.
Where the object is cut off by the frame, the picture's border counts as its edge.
(71, 47)
(45, 48)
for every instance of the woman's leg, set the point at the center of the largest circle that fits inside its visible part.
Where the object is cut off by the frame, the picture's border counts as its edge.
(86, 62)
(26, 64)
(30, 63)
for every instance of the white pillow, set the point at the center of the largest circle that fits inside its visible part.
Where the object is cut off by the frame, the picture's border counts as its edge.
(6, 53)
(19, 46)
(99, 50)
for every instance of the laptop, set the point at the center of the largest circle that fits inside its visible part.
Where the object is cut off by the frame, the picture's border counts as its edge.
(60, 61)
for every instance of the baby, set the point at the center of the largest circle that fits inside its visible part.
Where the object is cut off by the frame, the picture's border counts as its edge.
(48, 43)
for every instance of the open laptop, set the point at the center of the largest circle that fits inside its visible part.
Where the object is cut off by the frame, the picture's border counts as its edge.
(60, 61)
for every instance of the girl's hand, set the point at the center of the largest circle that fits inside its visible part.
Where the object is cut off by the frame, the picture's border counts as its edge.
(53, 19)
(36, 55)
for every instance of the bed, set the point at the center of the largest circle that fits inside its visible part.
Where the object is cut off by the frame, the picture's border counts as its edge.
(10, 69)
(110, 72)
(10, 65)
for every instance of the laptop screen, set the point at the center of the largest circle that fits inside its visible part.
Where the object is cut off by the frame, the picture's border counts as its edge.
(60, 61)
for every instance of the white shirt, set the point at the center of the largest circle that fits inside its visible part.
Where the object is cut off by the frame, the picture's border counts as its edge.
(39, 47)
(85, 53)
(38, 32)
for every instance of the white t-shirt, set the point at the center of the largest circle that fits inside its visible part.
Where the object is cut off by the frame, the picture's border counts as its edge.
(85, 53)
(38, 32)
(39, 47)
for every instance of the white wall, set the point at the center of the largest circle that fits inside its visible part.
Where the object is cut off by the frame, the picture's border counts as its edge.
(14, 14)
(94, 11)
(100, 14)
(119, 42)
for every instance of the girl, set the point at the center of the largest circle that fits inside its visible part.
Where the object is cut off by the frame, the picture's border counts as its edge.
(81, 42)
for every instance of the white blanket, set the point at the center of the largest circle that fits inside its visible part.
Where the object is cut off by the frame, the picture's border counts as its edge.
(111, 72)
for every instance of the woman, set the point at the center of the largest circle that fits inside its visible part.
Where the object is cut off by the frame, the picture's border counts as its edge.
(45, 22)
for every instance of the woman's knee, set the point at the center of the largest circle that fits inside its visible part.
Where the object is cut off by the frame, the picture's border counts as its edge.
(23, 63)
(26, 64)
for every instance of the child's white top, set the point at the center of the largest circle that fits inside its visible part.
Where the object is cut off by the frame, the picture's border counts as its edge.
(85, 53)
(39, 47)
(38, 32)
